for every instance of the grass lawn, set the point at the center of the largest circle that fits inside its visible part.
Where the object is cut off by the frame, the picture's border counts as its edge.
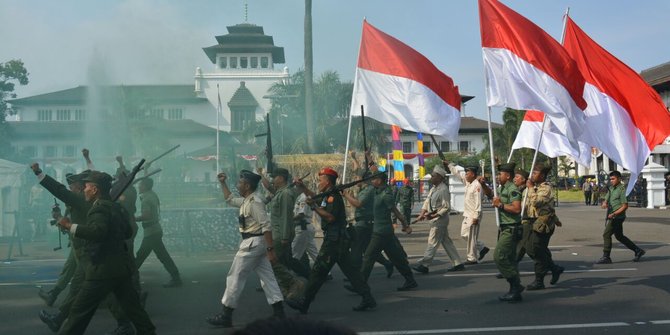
(570, 196)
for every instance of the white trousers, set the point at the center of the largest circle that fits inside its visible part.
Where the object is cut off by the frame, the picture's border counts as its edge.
(304, 242)
(251, 256)
(439, 235)
(470, 233)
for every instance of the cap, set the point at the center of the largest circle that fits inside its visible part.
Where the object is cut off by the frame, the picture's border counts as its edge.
(328, 171)
(280, 172)
(472, 168)
(522, 172)
(102, 179)
(439, 170)
(507, 167)
(250, 177)
(542, 168)
(74, 178)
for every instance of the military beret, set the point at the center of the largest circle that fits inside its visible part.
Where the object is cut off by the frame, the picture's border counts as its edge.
(102, 179)
(507, 167)
(280, 172)
(439, 170)
(328, 171)
(522, 172)
(250, 177)
(542, 168)
(474, 169)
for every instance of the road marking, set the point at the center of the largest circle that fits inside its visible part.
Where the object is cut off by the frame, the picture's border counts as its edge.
(531, 273)
(512, 328)
(35, 283)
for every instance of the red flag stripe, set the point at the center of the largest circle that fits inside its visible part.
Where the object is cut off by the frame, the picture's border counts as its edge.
(503, 28)
(533, 116)
(385, 54)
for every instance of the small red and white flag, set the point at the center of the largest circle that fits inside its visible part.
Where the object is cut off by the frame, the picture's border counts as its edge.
(527, 69)
(626, 117)
(397, 85)
(553, 143)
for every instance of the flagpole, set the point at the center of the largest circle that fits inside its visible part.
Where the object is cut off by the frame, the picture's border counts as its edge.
(218, 113)
(493, 167)
(353, 95)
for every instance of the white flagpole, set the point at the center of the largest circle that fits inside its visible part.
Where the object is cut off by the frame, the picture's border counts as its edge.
(218, 113)
(353, 95)
(493, 164)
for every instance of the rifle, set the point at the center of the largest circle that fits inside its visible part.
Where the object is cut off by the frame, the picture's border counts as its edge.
(268, 144)
(122, 184)
(365, 142)
(147, 176)
(162, 155)
(342, 187)
(301, 178)
(439, 150)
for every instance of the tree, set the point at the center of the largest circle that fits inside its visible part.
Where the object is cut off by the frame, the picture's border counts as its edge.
(11, 72)
(504, 137)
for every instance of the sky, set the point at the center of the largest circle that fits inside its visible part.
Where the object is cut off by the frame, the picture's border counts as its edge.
(161, 41)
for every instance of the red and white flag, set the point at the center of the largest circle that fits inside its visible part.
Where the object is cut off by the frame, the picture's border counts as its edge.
(397, 85)
(553, 143)
(527, 69)
(625, 116)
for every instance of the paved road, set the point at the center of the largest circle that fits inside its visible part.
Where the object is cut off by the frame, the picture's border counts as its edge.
(621, 298)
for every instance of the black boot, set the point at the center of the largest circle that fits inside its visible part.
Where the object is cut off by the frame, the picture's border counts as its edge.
(515, 289)
(368, 302)
(53, 321)
(278, 310)
(409, 284)
(49, 297)
(124, 327)
(638, 254)
(223, 319)
(299, 304)
(556, 274)
(605, 259)
(538, 284)
(174, 282)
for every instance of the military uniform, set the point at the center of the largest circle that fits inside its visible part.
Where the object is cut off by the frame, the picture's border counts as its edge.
(111, 267)
(615, 199)
(364, 216)
(153, 236)
(472, 210)
(437, 202)
(383, 238)
(541, 221)
(405, 198)
(283, 229)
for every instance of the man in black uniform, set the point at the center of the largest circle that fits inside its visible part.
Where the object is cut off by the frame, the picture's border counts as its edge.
(335, 247)
(107, 226)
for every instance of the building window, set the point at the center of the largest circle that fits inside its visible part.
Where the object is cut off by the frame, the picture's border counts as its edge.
(241, 117)
(29, 151)
(264, 62)
(62, 115)
(464, 146)
(244, 62)
(79, 115)
(445, 146)
(426, 146)
(254, 62)
(233, 62)
(49, 151)
(223, 62)
(156, 113)
(44, 115)
(406, 146)
(175, 114)
(69, 151)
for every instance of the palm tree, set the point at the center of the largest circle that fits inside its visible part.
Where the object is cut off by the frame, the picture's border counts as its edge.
(309, 77)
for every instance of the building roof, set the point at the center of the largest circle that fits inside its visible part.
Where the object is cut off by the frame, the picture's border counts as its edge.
(469, 125)
(245, 38)
(163, 94)
(242, 98)
(658, 76)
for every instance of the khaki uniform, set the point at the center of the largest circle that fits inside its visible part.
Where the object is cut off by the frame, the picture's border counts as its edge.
(251, 255)
(153, 234)
(472, 209)
(541, 218)
(303, 242)
(437, 202)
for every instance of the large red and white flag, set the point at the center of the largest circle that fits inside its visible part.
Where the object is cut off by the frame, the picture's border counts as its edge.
(527, 69)
(626, 117)
(553, 143)
(398, 85)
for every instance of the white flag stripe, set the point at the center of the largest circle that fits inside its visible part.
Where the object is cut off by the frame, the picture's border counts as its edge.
(553, 144)
(405, 103)
(512, 82)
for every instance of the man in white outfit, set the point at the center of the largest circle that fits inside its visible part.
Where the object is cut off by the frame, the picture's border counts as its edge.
(472, 213)
(304, 230)
(435, 210)
(255, 252)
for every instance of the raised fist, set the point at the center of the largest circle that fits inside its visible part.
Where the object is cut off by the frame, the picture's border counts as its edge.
(35, 167)
(119, 159)
(222, 177)
(85, 152)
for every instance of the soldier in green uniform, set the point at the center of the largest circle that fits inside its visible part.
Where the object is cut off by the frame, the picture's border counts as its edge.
(335, 246)
(364, 218)
(541, 220)
(383, 237)
(616, 205)
(153, 233)
(520, 180)
(107, 226)
(508, 203)
(405, 198)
